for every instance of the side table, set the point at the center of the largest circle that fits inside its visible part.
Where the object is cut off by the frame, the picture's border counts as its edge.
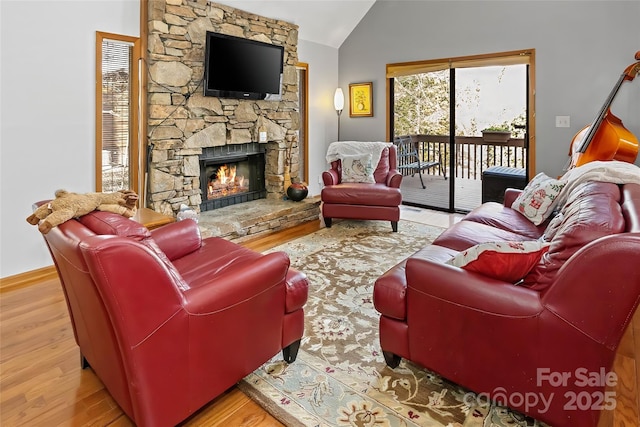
(152, 219)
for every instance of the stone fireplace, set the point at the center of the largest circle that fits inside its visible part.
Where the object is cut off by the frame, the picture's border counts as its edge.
(185, 128)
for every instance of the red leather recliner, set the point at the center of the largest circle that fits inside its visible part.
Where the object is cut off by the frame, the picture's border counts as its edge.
(355, 200)
(167, 320)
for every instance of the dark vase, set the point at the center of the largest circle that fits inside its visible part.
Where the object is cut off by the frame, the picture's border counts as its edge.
(297, 192)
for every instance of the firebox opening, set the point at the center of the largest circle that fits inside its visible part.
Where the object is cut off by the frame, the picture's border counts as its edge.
(231, 177)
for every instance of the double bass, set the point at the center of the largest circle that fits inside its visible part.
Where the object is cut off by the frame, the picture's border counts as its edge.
(606, 138)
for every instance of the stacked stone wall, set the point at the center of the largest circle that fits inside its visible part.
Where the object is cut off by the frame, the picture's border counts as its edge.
(182, 121)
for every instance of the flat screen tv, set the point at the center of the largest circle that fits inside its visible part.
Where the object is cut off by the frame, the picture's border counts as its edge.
(240, 68)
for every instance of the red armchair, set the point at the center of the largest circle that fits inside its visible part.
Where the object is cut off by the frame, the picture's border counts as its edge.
(378, 200)
(169, 321)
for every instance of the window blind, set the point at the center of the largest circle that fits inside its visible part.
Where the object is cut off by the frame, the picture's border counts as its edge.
(116, 95)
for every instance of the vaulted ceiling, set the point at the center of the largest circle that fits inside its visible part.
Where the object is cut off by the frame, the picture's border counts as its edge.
(327, 22)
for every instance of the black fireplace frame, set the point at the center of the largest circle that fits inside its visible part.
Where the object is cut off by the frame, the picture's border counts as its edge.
(254, 153)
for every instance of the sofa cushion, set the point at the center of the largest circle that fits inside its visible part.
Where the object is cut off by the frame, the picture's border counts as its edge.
(464, 234)
(503, 217)
(108, 223)
(507, 261)
(178, 239)
(435, 253)
(177, 278)
(537, 200)
(214, 257)
(382, 170)
(592, 211)
(357, 168)
(356, 193)
(631, 207)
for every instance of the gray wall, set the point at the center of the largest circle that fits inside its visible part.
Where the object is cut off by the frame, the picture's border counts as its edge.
(582, 47)
(323, 120)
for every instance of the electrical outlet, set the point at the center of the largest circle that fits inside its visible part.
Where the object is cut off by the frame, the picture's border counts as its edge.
(563, 121)
(320, 179)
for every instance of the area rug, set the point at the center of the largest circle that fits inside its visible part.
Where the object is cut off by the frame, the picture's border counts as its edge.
(340, 377)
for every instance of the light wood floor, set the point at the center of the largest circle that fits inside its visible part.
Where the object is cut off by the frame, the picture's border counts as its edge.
(42, 383)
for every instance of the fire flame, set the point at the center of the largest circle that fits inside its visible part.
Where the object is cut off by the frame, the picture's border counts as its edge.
(227, 183)
(226, 174)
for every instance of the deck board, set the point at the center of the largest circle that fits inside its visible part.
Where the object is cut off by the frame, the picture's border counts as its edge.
(436, 194)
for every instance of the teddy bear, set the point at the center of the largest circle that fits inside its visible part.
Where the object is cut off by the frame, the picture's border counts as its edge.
(68, 205)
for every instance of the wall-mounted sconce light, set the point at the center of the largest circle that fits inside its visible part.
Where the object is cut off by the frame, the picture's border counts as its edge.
(338, 103)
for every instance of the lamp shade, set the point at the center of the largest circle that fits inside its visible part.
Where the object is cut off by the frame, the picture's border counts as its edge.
(338, 100)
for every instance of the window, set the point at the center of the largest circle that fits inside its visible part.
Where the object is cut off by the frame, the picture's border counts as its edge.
(117, 148)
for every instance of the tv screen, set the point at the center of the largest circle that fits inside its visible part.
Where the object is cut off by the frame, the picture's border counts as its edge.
(240, 68)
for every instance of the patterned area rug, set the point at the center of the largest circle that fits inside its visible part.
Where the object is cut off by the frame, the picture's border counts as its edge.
(340, 377)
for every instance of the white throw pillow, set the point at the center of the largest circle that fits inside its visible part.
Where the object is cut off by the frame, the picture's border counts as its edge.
(506, 261)
(537, 200)
(357, 168)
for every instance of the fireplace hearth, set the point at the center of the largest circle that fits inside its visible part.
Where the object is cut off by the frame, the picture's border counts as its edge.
(232, 174)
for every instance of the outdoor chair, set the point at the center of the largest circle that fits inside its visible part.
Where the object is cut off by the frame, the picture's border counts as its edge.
(410, 160)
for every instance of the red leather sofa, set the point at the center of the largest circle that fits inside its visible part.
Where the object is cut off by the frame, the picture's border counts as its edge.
(367, 201)
(552, 337)
(167, 320)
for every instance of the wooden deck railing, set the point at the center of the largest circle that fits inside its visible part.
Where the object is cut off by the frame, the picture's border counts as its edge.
(473, 154)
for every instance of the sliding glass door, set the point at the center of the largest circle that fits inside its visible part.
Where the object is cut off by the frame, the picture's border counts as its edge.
(439, 110)
(421, 115)
(489, 97)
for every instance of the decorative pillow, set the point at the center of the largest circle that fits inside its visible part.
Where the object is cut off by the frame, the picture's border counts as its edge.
(506, 261)
(357, 168)
(538, 199)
